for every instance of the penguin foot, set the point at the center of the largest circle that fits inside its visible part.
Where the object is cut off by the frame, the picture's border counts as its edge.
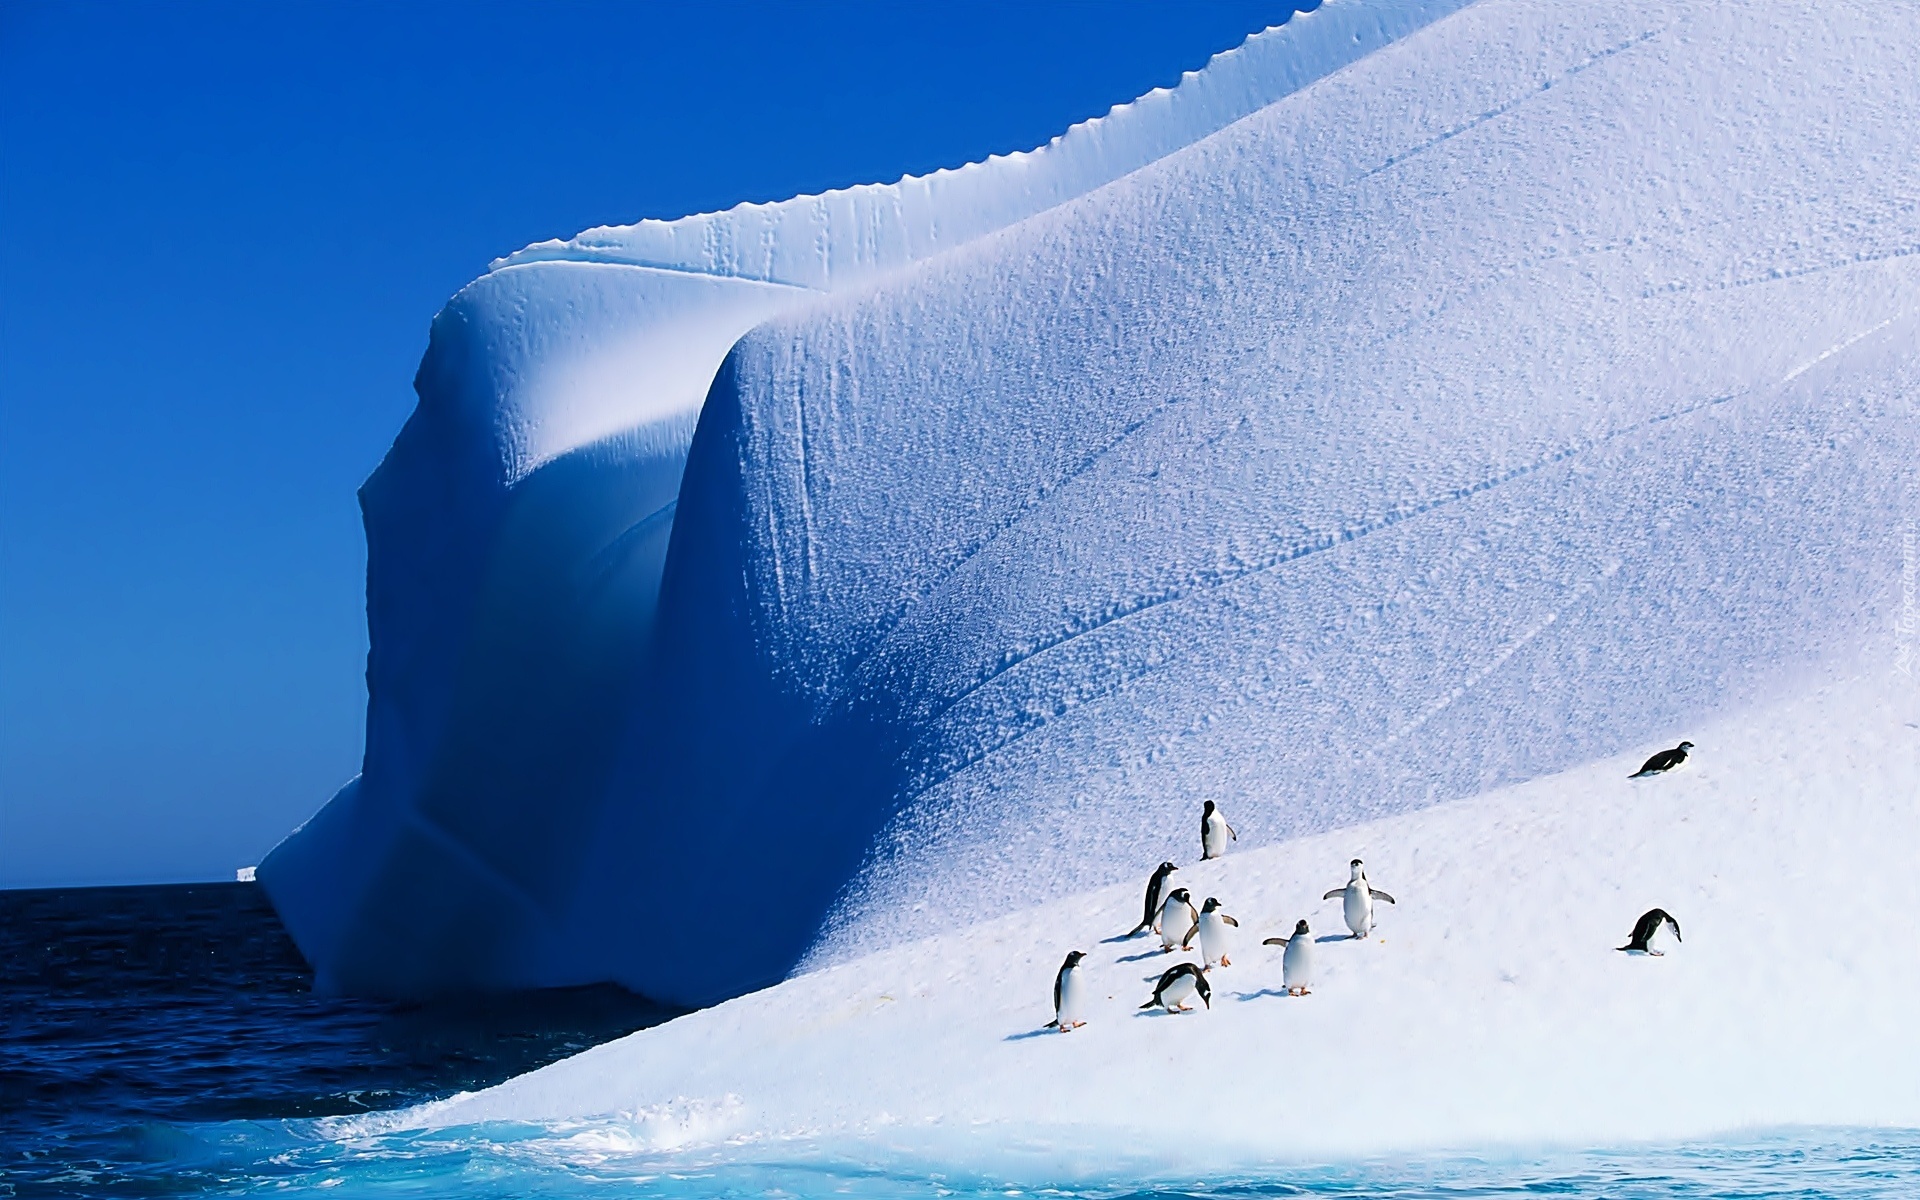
(1225, 961)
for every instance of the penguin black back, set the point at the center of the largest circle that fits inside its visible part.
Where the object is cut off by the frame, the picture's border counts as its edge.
(1178, 973)
(1645, 929)
(1664, 761)
(1156, 892)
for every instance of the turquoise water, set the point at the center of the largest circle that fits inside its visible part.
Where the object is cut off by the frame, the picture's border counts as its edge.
(599, 1160)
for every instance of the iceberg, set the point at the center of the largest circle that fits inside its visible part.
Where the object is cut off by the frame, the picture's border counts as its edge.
(517, 529)
(1408, 413)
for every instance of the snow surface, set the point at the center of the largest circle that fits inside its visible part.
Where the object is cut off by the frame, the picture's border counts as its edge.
(1489, 1006)
(517, 529)
(1539, 384)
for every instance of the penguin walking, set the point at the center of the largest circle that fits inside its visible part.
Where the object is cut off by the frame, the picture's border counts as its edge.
(1181, 983)
(1296, 966)
(1214, 938)
(1177, 920)
(1357, 899)
(1156, 894)
(1069, 995)
(1215, 833)
(1663, 762)
(1648, 927)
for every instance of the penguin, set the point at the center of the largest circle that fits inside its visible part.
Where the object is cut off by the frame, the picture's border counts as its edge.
(1296, 967)
(1181, 981)
(1647, 928)
(1214, 832)
(1359, 896)
(1214, 939)
(1664, 761)
(1069, 995)
(1156, 889)
(1177, 920)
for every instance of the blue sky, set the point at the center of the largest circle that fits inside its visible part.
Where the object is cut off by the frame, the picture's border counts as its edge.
(223, 232)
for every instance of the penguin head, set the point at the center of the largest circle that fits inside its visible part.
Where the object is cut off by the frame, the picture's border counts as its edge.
(1356, 867)
(1208, 808)
(1167, 868)
(1300, 930)
(1211, 904)
(1686, 745)
(1073, 959)
(1181, 894)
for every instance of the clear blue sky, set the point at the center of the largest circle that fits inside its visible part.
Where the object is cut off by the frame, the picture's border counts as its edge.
(223, 232)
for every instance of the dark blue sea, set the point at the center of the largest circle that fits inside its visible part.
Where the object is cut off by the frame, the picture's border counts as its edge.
(167, 1041)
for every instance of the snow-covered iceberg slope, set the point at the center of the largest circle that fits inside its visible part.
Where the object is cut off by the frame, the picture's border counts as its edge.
(1489, 1006)
(1539, 384)
(516, 530)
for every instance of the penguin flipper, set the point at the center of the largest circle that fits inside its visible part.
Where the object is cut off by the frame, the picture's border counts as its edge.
(1380, 895)
(1339, 891)
(1152, 1002)
(1186, 943)
(1229, 920)
(1274, 942)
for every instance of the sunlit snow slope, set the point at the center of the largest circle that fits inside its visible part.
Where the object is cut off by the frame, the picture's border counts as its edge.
(1540, 384)
(1489, 1007)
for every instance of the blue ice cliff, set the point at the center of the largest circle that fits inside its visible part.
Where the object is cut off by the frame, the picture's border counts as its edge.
(1414, 402)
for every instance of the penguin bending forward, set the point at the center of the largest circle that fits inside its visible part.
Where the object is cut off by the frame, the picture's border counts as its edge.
(1181, 981)
(1156, 893)
(1296, 966)
(1214, 832)
(1664, 761)
(1069, 995)
(1647, 928)
(1214, 939)
(1358, 897)
(1178, 921)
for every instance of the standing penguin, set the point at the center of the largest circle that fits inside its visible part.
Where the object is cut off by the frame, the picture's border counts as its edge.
(1648, 927)
(1156, 892)
(1664, 761)
(1069, 995)
(1358, 897)
(1177, 920)
(1181, 981)
(1296, 966)
(1214, 939)
(1214, 832)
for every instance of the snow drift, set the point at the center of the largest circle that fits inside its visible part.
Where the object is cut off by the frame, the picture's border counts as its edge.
(1489, 1008)
(1538, 384)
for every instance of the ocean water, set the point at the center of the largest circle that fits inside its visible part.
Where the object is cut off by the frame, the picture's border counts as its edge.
(165, 1042)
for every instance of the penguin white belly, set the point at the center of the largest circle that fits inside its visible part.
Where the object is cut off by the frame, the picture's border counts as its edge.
(1358, 903)
(1214, 943)
(1073, 998)
(1296, 967)
(1213, 842)
(1176, 922)
(1178, 992)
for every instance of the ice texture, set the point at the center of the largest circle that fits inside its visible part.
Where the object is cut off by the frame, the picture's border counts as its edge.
(1539, 382)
